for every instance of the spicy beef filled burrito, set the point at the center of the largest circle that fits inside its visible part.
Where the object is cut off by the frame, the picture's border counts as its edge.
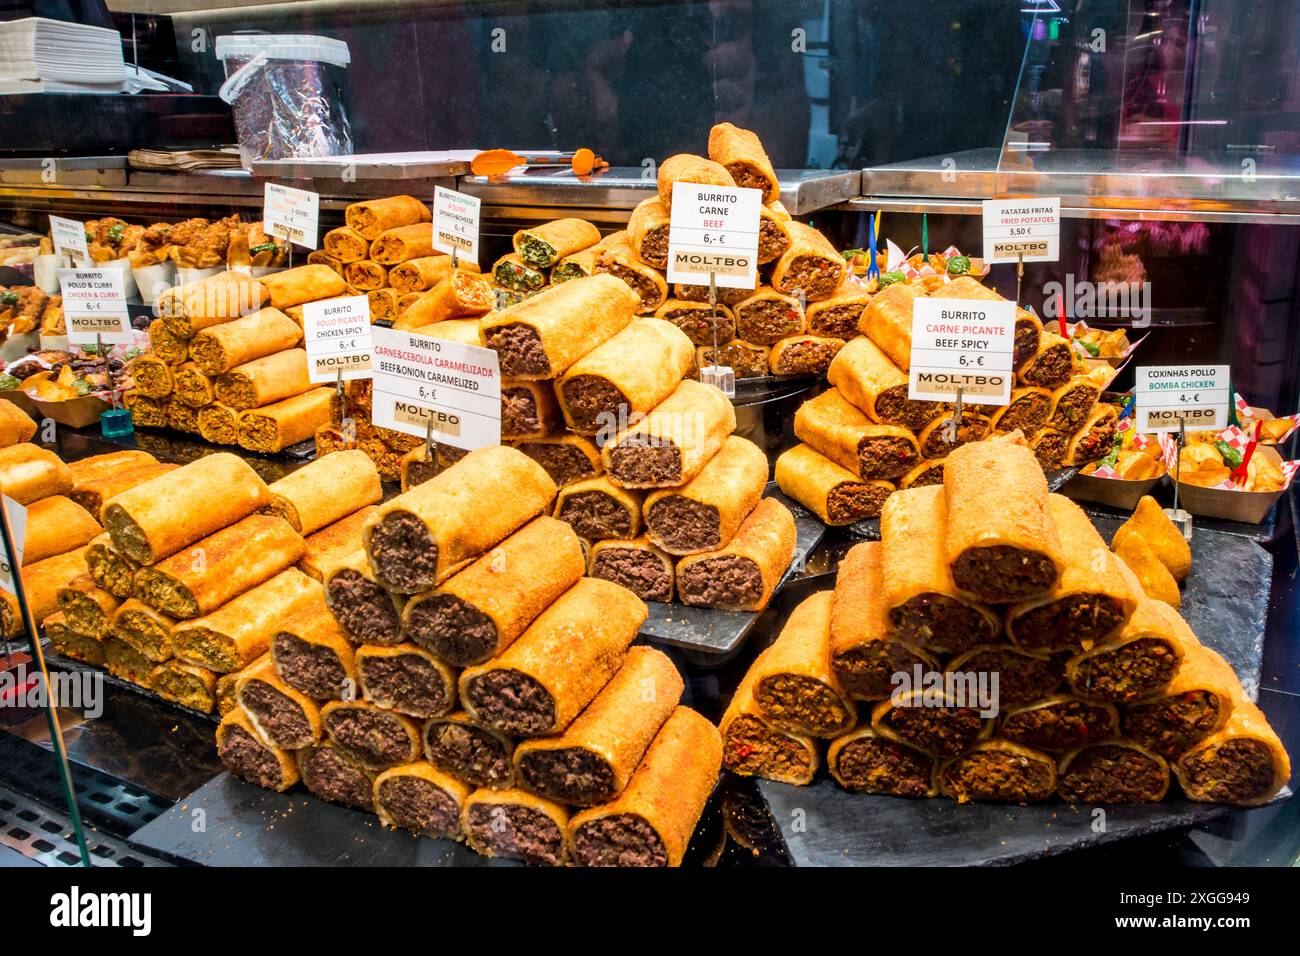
(941, 727)
(515, 825)
(420, 798)
(334, 542)
(1001, 542)
(865, 650)
(311, 653)
(624, 377)
(592, 761)
(1011, 676)
(147, 630)
(199, 579)
(367, 611)
(479, 611)
(401, 243)
(767, 316)
(773, 236)
(374, 737)
(406, 679)
(1027, 412)
(219, 424)
(1028, 329)
(1051, 365)
(371, 217)
(752, 747)
(839, 315)
(303, 284)
(344, 245)
(282, 716)
(188, 309)
(840, 431)
(158, 518)
(743, 574)
(87, 608)
(1243, 763)
(543, 246)
(68, 643)
(420, 538)
(811, 266)
(94, 492)
(637, 565)
(620, 261)
(689, 168)
(1059, 723)
(704, 513)
(112, 572)
(804, 355)
(698, 319)
(887, 321)
(542, 336)
(289, 421)
(469, 751)
(739, 152)
(326, 490)
(459, 295)
(998, 771)
(1139, 662)
(248, 757)
(865, 762)
(1197, 703)
(1112, 771)
(597, 509)
(647, 232)
(929, 471)
(947, 432)
(152, 376)
(219, 349)
(651, 822)
(55, 525)
(241, 629)
(1050, 448)
(1072, 403)
(186, 684)
(1095, 438)
(29, 473)
(834, 494)
(672, 444)
(330, 774)
(42, 582)
(743, 358)
(553, 670)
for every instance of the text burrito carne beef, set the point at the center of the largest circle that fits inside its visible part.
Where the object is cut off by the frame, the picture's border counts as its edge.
(1109, 773)
(333, 777)
(364, 609)
(519, 350)
(517, 832)
(880, 765)
(468, 753)
(417, 805)
(638, 570)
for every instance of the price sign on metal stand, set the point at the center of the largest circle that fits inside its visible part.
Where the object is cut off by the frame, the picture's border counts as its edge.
(69, 236)
(94, 304)
(1026, 230)
(455, 223)
(336, 333)
(291, 214)
(1191, 396)
(962, 347)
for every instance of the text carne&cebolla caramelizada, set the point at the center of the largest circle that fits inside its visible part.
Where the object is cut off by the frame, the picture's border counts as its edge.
(440, 371)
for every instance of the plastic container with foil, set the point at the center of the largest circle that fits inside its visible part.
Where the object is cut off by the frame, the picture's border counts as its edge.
(288, 94)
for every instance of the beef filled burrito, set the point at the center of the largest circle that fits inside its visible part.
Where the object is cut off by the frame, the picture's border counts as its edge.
(743, 574)
(282, 716)
(29, 473)
(367, 611)
(620, 261)
(839, 315)
(836, 495)
(244, 754)
(343, 245)
(515, 825)
(55, 525)
(651, 822)
(370, 218)
(275, 427)
(1001, 541)
(928, 472)
(647, 232)
(1051, 365)
(420, 798)
(68, 643)
(774, 237)
(160, 517)
(186, 684)
(637, 565)
(303, 284)
(219, 349)
(768, 316)
(543, 246)
(1112, 771)
(946, 432)
(592, 761)
(1027, 412)
(87, 608)
(1197, 703)
(1014, 676)
(374, 737)
(479, 611)
(1139, 663)
(329, 545)
(672, 444)
(469, 751)
(311, 653)
(110, 570)
(406, 679)
(624, 377)
(145, 629)
(836, 428)
(804, 355)
(1050, 448)
(542, 336)
(941, 728)
(462, 294)
(865, 762)
(811, 266)
(704, 513)
(689, 168)
(326, 490)
(999, 771)
(418, 466)
(1243, 763)
(924, 604)
(887, 321)
(865, 650)
(1059, 723)
(400, 243)
(742, 155)
(528, 410)
(553, 670)
(1072, 403)
(743, 358)
(152, 376)
(752, 747)
(331, 774)
(1028, 330)
(1095, 438)
(203, 577)
(598, 509)
(697, 320)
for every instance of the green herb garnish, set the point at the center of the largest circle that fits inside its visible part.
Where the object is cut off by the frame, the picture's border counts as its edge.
(9, 298)
(1230, 455)
(889, 278)
(958, 265)
(851, 254)
(115, 232)
(264, 247)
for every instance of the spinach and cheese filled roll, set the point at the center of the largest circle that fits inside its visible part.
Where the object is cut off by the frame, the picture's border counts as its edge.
(811, 266)
(344, 245)
(219, 349)
(326, 547)
(366, 610)
(326, 490)
(87, 608)
(1112, 771)
(528, 410)
(689, 168)
(804, 355)
(248, 757)
(564, 456)
(125, 662)
(543, 246)
(1243, 763)
(768, 316)
(333, 775)
(942, 727)
(1027, 412)
(598, 509)
(1059, 723)
(863, 761)
(552, 671)
(68, 643)
(697, 320)
(636, 564)
(186, 684)
(275, 427)
(264, 381)
(401, 243)
(742, 155)
(512, 273)
(619, 260)
(865, 650)
(743, 574)
(406, 679)
(998, 771)
(752, 747)
(650, 823)
(744, 358)
(647, 232)
(924, 604)
(592, 761)
(145, 629)
(1138, 663)
(420, 798)
(469, 751)
(624, 377)
(887, 321)
(673, 443)
(839, 315)
(374, 737)
(836, 495)
(1013, 675)
(282, 716)
(1051, 365)
(840, 431)
(515, 825)
(1197, 703)
(704, 513)
(480, 611)
(311, 653)
(370, 218)
(461, 295)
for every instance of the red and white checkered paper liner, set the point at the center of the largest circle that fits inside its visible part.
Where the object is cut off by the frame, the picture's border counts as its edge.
(896, 260)
(1234, 437)
(1078, 328)
(1245, 414)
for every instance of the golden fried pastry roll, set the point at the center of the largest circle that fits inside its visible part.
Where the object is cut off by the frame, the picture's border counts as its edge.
(865, 650)
(42, 582)
(1112, 771)
(543, 246)
(742, 155)
(366, 275)
(625, 377)
(323, 258)
(998, 771)
(55, 525)
(248, 757)
(863, 761)
(811, 266)
(1013, 676)
(70, 644)
(383, 305)
(697, 321)
(1050, 448)
(592, 761)
(934, 721)
(374, 737)
(1027, 412)
(333, 775)
(125, 662)
(191, 308)
(689, 168)
(672, 444)
(400, 243)
(368, 612)
(370, 218)
(159, 517)
(219, 349)
(928, 472)
(1088, 603)
(840, 431)
(181, 417)
(515, 825)
(1001, 542)
(620, 261)
(101, 466)
(773, 236)
(145, 411)
(804, 355)
(219, 424)
(87, 608)
(647, 232)
(265, 381)
(29, 473)
(417, 467)
(1139, 663)
(15, 424)
(201, 578)
(281, 716)
(406, 679)
(469, 751)
(304, 284)
(839, 315)
(598, 509)
(1150, 522)
(1152, 576)
(420, 798)
(704, 513)
(553, 670)
(887, 321)
(241, 629)
(344, 245)
(946, 433)
(1195, 704)
(165, 344)
(1059, 723)
(91, 494)
(1243, 764)
(652, 820)
(542, 336)
(147, 630)
(193, 386)
(1095, 439)
(422, 274)
(1072, 403)
(478, 612)
(700, 293)
(1051, 365)
(186, 684)
(111, 571)
(752, 747)
(462, 294)
(224, 689)
(312, 654)
(516, 277)
(746, 360)
(152, 376)
(274, 427)
(767, 316)
(743, 574)
(637, 565)
(326, 490)
(1028, 329)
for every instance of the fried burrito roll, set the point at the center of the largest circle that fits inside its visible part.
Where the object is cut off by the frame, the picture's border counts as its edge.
(166, 344)
(564, 456)
(834, 494)
(1051, 365)
(417, 467)
(29, 473)
(332, 775)
(241, 629)
(811, 266)
(543, 246)
(145, 412)
(219, 349)
(365, 275)
(1059, 723)
(462, 294)
(1137, 664)
(42, 582)
(651, 821)
(836, 428)
(401, 243)
(304, 284)
(420, 798)
(326, 490)
(370, 613)
(125, 662)
(554, 669)
(1113, 771)
(1094, 440)
(55, 525)
(1197, 703)
(774, 237)
(469, 751)
(93, 493)
(1243, 763)
(193, 386)
(1027, 412)
(999, 771)
(70, 644)
(95, 467)
(152, 376)
(689, 168)
(145, 629)
(752, 747)
(592, 761)
(189, 309)
(186, 684)
(219, 424)
(637, 565)
(620, 261)
(265, 381)
(374, 737)
(1072, 403)
(370, 218)
(243, 752)
(742, 575)
(672, 444)
(282, 716)
(887, 321)
(598, 509)
(406, 679)
(839, 315)
(767, 316)
(323, 258)
(647, 232)
(515, 825)
(311, 653)
(865, 762)
(934, 722)
(804, 355)
(422, 274)
(510, 272)
(746, 360)
(111, 571)
(697, 319)
(275, 427)
(928, 472)
(344, 245)
(334, 542)
(1012, 675)
(742, 155)
(704, 513)
(1050, 448)
(87, 608)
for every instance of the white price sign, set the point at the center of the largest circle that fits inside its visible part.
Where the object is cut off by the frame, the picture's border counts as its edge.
(966, 343)
(69, 236)
(18, 529)
(336, 333)
(1013, 227)
(94, 304)
(713, 230)
(421, 379)
(291, 214)
(455, 223)
(1197, 395)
